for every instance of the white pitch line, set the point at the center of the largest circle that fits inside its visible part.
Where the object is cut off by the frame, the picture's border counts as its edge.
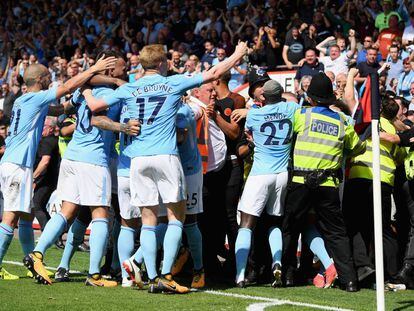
(16, 263)
(252, 307)
(260, 306)
(278, 301)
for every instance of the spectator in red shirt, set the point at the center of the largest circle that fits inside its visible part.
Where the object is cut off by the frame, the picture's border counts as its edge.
(386, 36)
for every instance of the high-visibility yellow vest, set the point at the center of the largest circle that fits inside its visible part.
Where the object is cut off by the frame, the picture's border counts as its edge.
(390, 156)
(64, 140)
(323, 136)
(117, 149)
(409, 164)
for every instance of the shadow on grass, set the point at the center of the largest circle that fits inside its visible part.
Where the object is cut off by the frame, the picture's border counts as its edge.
(408, 305)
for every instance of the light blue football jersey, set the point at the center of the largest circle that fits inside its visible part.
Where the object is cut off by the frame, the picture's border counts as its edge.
(27, 121)
(109, 137)
(124, 162)
(88, 143)
(188, 150)
(272, 129)
(154, 100)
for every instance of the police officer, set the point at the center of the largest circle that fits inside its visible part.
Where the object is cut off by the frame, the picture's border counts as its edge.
(358, 199)
(323, 136)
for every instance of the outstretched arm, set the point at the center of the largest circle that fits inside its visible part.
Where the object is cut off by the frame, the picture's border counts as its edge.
(215, 72)
(80, 79)
(352, 42)
(349, 96)
(321, 47)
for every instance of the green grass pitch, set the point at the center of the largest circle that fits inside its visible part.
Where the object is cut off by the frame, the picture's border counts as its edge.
(25, 294)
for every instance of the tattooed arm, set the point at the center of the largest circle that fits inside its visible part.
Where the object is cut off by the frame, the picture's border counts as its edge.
(131, 128)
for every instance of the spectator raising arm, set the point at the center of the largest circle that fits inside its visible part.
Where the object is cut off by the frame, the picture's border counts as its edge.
(349, 96)
(352, 43)
(321, 47)
(259, 42)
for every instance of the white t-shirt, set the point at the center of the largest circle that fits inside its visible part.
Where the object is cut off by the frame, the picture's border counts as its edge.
(217, 148)
(339, 65)
(200, 25)
(408, 33)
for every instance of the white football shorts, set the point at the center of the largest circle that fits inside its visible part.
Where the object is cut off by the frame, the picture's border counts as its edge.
(264, 191)
(16, 184)
(156, 178)
(194, 184)
(124, 198)
(84, 183)
(194, 193)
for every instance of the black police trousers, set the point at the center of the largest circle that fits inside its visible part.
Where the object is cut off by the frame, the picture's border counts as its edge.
(329, 221)
(404, 217)
(409, 252)
(221, 193)
(41, 196)
(359, 217)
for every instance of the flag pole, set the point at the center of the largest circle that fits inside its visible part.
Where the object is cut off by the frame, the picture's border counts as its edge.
(379, 261)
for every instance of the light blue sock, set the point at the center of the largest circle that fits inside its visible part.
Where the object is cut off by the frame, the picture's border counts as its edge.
(125, 245)
(172, 243)
(139, 256)
(116, 228)
(149, 249)
(275, 242)
(6, 236)
(53, 229)
(97, 243)
(243, 242)
(74, 238)
(312, 237)
(160, 231)
(26, 236)
(195, 242)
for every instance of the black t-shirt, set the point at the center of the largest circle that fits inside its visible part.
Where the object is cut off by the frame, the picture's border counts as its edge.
(296, 49)
(48, 146)
(309, 70)
(365, 69)
(226, 106)
(273, 56)
(307, 41)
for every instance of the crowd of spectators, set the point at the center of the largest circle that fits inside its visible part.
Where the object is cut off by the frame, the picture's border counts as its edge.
(67, 35)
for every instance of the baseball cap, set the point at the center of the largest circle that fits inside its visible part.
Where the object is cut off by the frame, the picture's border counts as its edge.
(272, 91)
